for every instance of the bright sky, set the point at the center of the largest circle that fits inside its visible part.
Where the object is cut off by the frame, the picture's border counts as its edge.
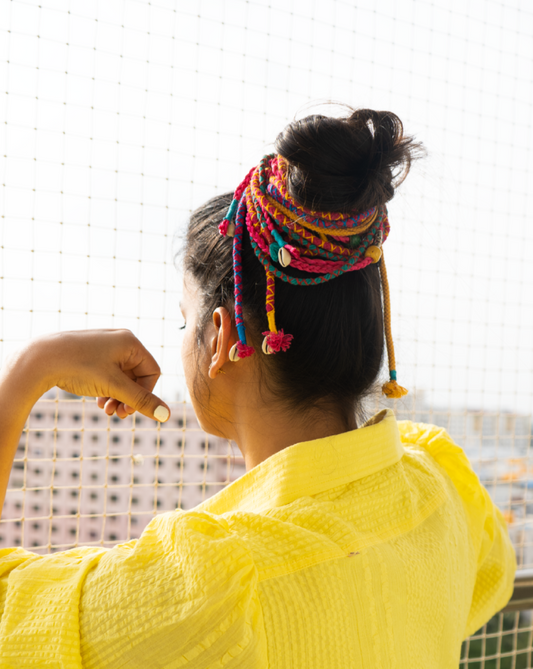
(119, 118)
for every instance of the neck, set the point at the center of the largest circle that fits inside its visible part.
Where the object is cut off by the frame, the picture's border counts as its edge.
(262, 431)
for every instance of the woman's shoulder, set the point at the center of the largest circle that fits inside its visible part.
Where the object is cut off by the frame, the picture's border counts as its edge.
(160, 596)
(423, 434)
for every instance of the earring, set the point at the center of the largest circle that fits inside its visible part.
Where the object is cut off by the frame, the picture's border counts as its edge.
(221, 371)
(234, 353)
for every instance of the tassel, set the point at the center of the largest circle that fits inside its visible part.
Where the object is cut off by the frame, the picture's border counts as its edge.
(277, 341)
(392, 390)
(244, 350)
(227, 228)
(223, 227)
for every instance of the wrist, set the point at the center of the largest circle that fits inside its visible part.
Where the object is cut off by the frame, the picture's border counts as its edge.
(23, 380)
(27, 369)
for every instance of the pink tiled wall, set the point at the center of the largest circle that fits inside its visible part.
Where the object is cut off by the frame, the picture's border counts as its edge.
(81, 477)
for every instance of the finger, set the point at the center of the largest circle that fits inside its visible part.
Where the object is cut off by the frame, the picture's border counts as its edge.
(138, 397)
(100, 401)
(111, 406)
(142, 367)
(121, 411)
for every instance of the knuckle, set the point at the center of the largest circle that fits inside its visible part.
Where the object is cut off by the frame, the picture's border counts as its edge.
(123, 333)
(142, 401)
(128, 333)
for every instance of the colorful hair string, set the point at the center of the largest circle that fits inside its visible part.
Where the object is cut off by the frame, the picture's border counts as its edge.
(287, 234)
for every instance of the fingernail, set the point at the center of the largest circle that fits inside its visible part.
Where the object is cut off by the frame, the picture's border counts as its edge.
(161, 414)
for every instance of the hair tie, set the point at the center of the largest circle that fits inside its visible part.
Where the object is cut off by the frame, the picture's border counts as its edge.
(285, 234)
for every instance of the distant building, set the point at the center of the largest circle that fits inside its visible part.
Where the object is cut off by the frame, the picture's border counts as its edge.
(81, 477)
(486, 434)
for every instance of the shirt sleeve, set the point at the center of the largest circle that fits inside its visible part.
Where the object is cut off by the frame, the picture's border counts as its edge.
(182, 595)
(495, 556)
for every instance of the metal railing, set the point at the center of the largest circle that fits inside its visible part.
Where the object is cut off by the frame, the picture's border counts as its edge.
(522, 598)
(505, 641)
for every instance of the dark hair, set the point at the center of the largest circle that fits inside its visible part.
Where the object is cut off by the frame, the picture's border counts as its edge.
(335, 164)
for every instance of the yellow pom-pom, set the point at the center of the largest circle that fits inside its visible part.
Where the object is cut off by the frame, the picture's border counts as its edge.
(392, 390)
(373, 252)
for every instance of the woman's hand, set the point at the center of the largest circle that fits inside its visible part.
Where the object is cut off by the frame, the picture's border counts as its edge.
(111, 365)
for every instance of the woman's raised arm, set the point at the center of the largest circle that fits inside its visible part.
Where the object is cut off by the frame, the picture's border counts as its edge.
(21, 385)
(109, 364)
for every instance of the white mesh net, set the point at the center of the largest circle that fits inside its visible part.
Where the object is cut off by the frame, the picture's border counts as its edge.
(119, 118)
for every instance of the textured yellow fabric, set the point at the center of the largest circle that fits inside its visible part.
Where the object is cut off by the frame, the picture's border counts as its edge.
(375, 548)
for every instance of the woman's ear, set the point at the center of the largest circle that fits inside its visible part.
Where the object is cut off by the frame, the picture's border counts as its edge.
(222, 340)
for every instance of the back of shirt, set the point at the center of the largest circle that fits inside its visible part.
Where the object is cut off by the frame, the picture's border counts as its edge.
(427, 562)
(375, 548)
(493, 555)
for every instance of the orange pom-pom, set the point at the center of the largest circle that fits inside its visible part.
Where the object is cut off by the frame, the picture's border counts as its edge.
(392, 390)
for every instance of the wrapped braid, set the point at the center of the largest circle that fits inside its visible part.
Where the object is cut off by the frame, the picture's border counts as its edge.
(288, 234)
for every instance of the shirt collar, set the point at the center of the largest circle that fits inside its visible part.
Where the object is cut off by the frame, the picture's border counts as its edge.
(310, 467)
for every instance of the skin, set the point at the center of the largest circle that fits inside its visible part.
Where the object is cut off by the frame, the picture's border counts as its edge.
(105, 364)
(236, 409)
(115, 368)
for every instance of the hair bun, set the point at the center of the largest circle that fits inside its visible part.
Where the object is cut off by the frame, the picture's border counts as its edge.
(346, 164)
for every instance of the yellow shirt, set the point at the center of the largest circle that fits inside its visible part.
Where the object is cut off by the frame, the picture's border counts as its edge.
(374, 548)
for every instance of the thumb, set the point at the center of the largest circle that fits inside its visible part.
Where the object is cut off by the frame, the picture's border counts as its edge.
(140, 399)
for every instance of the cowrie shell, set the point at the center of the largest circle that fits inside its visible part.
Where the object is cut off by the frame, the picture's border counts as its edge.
(233, 353)
(266, 347)
(231, 230)
(284, 257)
